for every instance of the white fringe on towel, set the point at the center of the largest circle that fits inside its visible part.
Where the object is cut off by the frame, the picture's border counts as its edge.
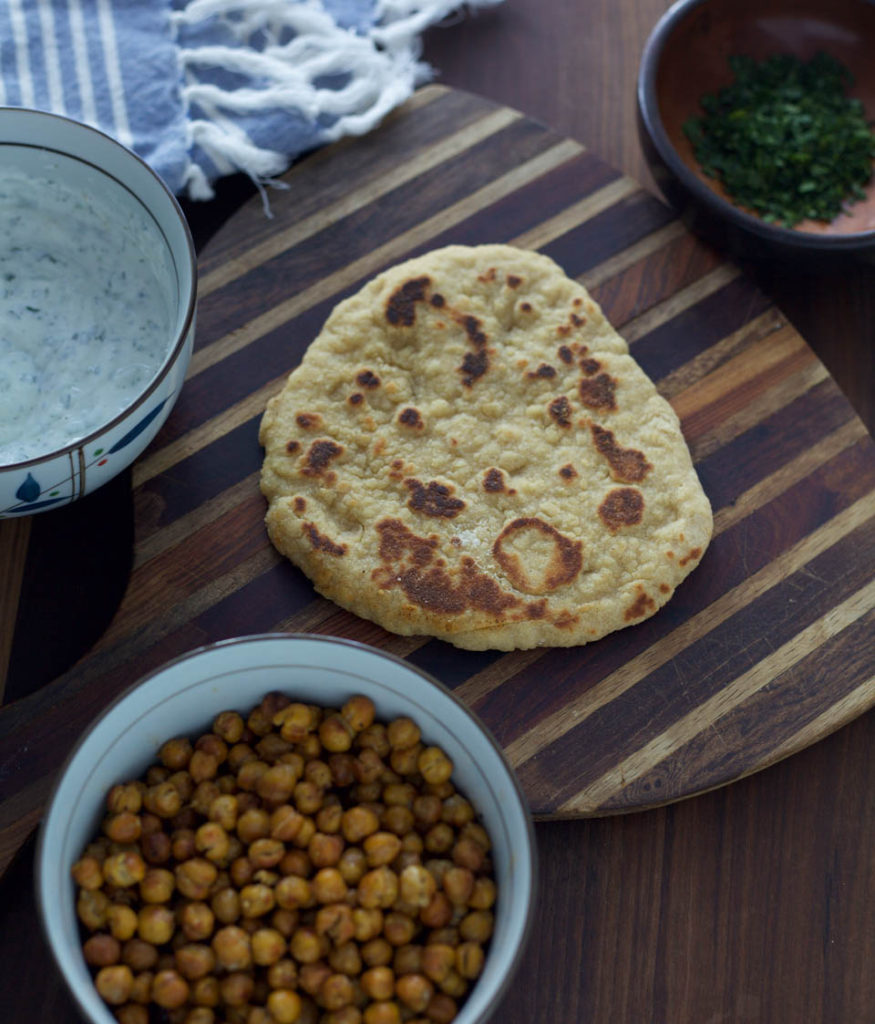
(299, 43)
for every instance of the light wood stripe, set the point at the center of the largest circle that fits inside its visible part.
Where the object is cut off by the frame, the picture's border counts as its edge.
(432, 156)
(680, 302)
(554, 726)
(708, 714)
(711, 358)
(393, 249)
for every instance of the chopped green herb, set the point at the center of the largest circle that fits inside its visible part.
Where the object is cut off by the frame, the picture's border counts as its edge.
(785, 139)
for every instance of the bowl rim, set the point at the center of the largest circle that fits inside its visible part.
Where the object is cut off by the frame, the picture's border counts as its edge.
(529, 841)
(174, 350)
(648, 108)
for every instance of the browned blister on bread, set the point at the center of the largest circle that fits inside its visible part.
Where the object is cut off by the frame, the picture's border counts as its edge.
(468, 451)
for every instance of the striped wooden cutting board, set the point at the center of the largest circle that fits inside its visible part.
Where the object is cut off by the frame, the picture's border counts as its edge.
(768, 646)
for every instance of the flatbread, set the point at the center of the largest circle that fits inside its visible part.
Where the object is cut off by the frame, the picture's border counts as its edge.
(468, 451)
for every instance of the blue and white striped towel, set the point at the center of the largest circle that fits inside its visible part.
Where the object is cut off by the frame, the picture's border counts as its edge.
(205, 88)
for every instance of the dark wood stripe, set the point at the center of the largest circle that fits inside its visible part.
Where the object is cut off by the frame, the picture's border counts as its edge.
(615, 229)
(700, 326)
(770, 717)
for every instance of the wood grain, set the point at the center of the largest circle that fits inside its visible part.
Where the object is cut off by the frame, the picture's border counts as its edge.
(738, 669)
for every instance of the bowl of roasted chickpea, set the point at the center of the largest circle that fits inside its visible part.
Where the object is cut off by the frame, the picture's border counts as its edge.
(287, 829)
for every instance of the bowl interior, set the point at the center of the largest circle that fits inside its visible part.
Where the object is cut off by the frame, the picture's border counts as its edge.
(185, 695)
(694, 61)
(105, 192)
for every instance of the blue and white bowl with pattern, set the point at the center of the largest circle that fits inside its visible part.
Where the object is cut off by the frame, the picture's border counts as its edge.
(122, 205)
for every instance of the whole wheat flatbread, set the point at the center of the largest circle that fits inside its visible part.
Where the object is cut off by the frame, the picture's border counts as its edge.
(468, 451)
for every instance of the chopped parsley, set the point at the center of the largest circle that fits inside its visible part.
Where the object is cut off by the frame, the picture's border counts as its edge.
(785, 139)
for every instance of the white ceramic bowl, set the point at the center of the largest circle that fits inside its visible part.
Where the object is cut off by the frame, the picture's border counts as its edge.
(185, 695)
(124, 190)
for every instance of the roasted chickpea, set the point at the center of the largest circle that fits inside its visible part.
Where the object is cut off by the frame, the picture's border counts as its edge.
(157, 885)
(268, 946)
(386, 1012)
(124, 869)
(132, 1013)
(195, 877)
(123, 827)
(328, 886)
(87, 873)
(402, 732)
(91, 908)
(229, 725)
(200, 1015)
(368, 923)
(477, 926)
(458, 884)
(284, 1006)
(345, 958)
(442, 1009)
(102, 950)
(194, 961)
(378, 888)
(196, 920)
(139, 955)
(381, 848)
(483, 894)
(121, 921)
(205, 991)
(417, 885)
(283, 974)
(293, 891)
(156, 847)
(114, 984)
(438, 959)
(352, 865)
(377, 952)
(399, 929)
(325, 849)
(236, 988)
(163, 799)
(407, 959)
(156, 923)
(182, 844)
(335, 921)
(233, 948)
(266, 852)
(256, 900)
(358, 712)
(176, 753)
(306, 945)
(211, 840)
(285, 823)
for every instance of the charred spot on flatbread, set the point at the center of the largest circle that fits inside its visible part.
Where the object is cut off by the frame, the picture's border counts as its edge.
(599, 392)
(319, 455)
(545, 372)
(624, 506)
(560, 410)
(401, 305)
(320, 542)
(433, 499)
(641, 606)
(536, 557)
(627, 465)
(410, 417)
(367, 379)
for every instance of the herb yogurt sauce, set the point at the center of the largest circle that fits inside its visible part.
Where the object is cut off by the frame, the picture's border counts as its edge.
(86, 307)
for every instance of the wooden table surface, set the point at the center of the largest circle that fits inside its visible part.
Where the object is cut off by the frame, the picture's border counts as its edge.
(753, 903)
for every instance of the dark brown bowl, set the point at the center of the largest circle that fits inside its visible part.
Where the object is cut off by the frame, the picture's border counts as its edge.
(687, 55)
